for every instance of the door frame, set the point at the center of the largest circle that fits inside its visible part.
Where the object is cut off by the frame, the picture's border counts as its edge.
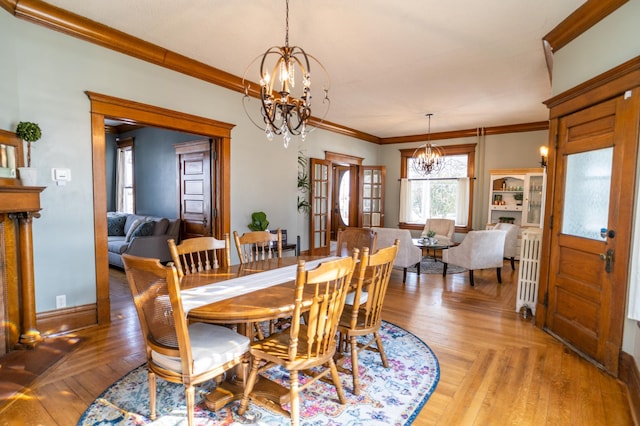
(608, 85)
(104, 106)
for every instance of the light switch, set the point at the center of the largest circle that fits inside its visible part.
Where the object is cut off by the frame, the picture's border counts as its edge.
(61, 176)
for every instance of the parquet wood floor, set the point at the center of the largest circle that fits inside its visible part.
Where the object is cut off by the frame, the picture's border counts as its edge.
(496, 368)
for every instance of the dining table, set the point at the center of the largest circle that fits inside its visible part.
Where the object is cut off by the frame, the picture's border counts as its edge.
(241, 296)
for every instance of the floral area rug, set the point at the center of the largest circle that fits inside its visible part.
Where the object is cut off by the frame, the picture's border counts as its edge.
(392, 396)
(429, 266)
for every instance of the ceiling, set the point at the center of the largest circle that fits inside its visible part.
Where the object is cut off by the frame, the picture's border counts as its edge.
(470, 63)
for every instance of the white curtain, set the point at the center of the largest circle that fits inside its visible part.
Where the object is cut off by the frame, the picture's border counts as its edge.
(120, 180)
(462, 209)
(404, 199)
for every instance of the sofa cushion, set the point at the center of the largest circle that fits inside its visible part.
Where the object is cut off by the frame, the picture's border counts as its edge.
(161, 226)
(133, 227)
(115, 225)
(117, 245)
(144, 229)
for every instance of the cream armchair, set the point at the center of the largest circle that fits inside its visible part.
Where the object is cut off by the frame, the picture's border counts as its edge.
(510, 242)
(408, 254)
(478, 250)
(444, 229)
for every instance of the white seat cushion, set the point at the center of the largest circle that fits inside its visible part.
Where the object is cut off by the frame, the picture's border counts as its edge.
(352, 296)
(211, 346)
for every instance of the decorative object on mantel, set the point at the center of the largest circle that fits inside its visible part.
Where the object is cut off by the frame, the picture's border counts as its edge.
(287, 113)
(427, 158)
(507, 219)
(28, 132)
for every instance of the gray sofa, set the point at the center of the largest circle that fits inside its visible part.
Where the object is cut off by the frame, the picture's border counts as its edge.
(148, 238)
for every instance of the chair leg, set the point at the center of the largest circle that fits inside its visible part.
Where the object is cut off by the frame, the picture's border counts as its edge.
(404, 275)
(444, 270)
(513, 263)
(251, 381)
(190, 400)
(355, 372)
(383, 355)
(294, 393)
(152, 394)
(471, 277)
(498, 272)
(336, 381)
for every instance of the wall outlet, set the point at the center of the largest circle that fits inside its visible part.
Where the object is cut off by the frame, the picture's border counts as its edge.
(61, 301)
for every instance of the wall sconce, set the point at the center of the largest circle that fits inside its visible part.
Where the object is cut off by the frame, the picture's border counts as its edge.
(544, 155)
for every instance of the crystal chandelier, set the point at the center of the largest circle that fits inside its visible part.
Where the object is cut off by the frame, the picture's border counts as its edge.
(285, 110)
(428, 158)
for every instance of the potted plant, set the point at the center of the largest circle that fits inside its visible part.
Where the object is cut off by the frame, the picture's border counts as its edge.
(518, 197)
(28, 132)
(259, 221)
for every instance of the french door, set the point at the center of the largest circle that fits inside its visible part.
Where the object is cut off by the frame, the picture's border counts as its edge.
(366, 201)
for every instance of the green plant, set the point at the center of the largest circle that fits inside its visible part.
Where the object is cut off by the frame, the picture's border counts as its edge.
(259, 221)
(304, 184)
(28, 132)
(518, 196)
(431, 233)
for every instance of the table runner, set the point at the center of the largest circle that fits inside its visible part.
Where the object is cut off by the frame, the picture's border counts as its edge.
(210, 293)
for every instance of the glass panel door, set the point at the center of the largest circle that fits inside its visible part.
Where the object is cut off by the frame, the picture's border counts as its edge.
(372, 196)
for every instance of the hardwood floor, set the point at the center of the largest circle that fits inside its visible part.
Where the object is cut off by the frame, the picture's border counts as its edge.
(495, 367)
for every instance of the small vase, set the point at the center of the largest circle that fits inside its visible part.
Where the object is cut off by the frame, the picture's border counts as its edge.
(28, 176)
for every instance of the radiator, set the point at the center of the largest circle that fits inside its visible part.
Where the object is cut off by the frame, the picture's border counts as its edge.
(529, 270)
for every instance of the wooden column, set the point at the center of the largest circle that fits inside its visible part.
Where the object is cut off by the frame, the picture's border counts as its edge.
(21, 204)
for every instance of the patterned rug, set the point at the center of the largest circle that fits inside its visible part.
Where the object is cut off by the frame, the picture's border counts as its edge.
(429, 266)
(392, 396)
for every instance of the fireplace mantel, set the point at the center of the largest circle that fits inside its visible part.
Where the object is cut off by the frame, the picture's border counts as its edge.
(18, 206)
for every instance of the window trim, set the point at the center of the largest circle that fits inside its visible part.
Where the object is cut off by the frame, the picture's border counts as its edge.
(124, 144)
(462, 149)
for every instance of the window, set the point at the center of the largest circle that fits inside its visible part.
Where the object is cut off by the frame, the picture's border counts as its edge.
(446, 194)
(125, 199)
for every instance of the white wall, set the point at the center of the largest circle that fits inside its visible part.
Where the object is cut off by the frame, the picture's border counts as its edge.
(608, 44)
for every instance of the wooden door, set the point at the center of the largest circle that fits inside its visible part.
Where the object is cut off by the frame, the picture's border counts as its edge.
(320, 222)
(591, 219)
(194, 175)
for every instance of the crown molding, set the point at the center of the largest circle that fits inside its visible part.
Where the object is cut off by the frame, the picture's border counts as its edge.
(57, 19)
(583, 18)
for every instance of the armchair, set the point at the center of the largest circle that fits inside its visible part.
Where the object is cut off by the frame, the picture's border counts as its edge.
(478, 250)
(444, 229)
(510, 242)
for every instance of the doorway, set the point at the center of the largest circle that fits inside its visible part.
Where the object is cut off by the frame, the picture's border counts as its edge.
(103, 106)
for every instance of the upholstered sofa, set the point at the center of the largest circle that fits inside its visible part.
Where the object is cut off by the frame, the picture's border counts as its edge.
(408, 254)
(140, 235)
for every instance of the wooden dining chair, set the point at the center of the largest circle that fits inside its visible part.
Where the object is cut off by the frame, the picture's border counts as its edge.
(200, 254)
(310, 343)
(258, 245)
(349, 238)
(176, 351)
(365, 319)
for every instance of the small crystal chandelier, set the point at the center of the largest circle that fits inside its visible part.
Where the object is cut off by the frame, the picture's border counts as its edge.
(428, 158)
(284, 112)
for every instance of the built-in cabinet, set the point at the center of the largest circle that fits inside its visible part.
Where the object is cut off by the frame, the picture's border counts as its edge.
(517, 196)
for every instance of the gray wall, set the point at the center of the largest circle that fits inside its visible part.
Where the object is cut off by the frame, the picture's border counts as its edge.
(155, 170)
